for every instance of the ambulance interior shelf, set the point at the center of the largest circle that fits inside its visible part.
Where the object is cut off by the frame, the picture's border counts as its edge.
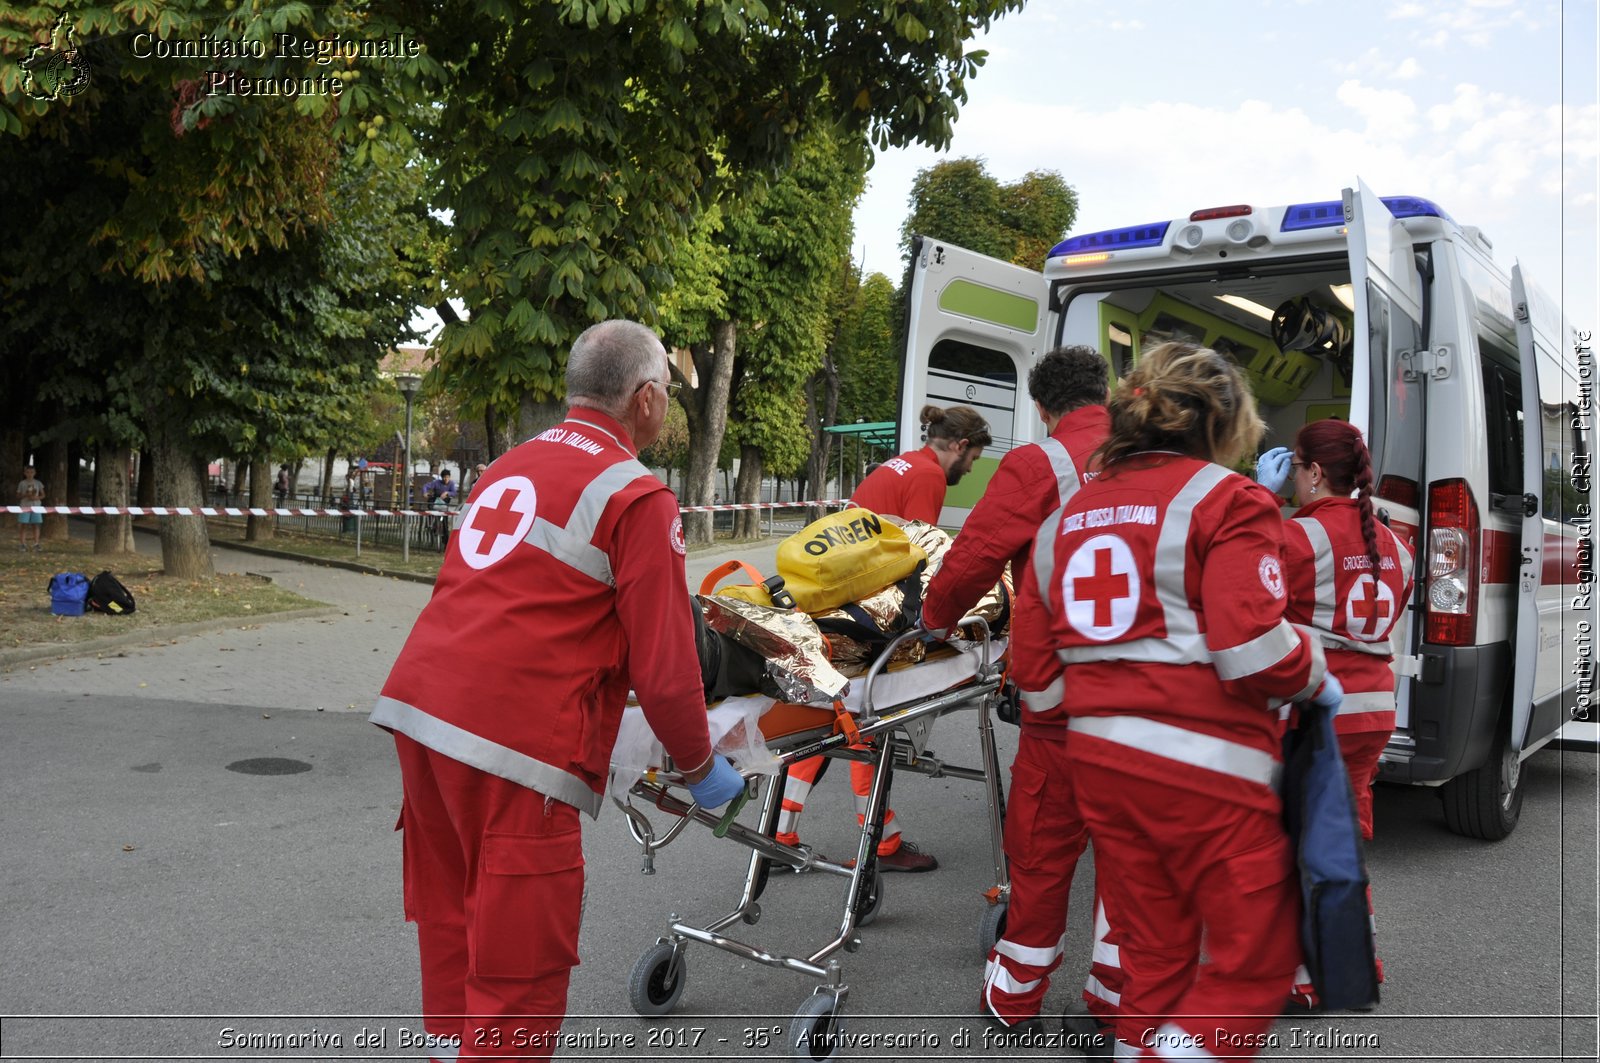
(1279, 331)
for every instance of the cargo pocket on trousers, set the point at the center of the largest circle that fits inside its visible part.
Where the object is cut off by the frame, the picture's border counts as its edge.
(1022, 810)
(529, 905)
(413, 879)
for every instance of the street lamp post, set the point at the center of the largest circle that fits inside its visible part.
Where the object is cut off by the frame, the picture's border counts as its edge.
(408, 384)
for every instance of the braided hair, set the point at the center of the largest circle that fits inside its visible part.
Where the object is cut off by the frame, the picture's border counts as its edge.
(1337, 446)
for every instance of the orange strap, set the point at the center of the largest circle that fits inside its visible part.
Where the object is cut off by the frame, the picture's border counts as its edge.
(844, 723)
(716, 575)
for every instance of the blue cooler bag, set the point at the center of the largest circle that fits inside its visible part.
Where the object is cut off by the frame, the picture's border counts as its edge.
(69, 591)
(1320, 813)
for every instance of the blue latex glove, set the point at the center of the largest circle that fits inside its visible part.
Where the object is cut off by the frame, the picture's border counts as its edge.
(721, 785)
(1272, 468)
(1330, 694)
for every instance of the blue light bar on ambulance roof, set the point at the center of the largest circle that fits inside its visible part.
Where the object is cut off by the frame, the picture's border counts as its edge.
(1331, 212)
(1133, 236)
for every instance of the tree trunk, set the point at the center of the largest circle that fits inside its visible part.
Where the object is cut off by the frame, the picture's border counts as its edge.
(259, 529)
(147, 477)
(112, 534)
(74, 474)
(708, 423)
(13, 455)
(241, 480)
(822, 407)
(180, 481)
(747, 490)
(534, 417)
(53, 471)
(328, 493)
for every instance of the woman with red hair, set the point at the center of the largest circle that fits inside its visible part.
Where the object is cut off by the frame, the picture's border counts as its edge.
(1349, 579)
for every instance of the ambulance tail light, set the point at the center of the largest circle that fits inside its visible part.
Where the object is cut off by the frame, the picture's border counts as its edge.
(1452, 618)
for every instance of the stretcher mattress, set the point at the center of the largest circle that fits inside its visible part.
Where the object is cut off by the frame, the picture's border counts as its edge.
(743, 728)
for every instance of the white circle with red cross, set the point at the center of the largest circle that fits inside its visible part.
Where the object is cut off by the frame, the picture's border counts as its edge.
(1369, 610)
(1100, 588)
(496, 521)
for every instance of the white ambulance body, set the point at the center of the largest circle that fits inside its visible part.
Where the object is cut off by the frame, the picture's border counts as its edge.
(1464, 379)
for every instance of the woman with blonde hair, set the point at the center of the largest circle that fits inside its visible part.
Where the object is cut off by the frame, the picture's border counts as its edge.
(1162, 591)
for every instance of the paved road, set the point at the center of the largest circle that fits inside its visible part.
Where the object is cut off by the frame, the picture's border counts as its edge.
(143, 877)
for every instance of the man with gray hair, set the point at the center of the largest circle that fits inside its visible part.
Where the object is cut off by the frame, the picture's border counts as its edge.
(563, 588)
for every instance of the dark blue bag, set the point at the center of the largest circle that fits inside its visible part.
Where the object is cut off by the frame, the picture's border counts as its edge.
(1320, 813)
(68, 593)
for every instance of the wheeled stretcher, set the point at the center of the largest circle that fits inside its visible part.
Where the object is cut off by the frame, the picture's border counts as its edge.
(892, 718)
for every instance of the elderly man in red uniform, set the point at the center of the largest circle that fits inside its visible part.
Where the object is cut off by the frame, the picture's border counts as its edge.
(1044, 835)
(563, 587)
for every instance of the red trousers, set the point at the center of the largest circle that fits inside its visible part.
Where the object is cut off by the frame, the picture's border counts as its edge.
(803, 774)
(494, 881)
(1176, 867)
(1043, 840)
(1360, 750)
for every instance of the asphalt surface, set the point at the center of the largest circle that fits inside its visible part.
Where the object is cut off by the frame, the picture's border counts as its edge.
(212, 913)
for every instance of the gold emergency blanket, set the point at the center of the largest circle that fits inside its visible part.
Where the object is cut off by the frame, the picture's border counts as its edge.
(789, 641)
(886, 608)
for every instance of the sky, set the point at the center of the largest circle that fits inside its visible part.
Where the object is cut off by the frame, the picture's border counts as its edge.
(1153, 108)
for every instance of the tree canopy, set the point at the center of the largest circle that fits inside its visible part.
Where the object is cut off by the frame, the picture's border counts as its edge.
(959, 201)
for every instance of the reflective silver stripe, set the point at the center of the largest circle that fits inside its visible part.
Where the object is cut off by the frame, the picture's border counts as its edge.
(1104, 952)
(1172, 1041)
(996, 976)
(457, 743)
(788, 822)
(1319, 664)
(1404, 551)
(573, 544)
(796, 790)
(602, 429)
(1032, 955)
(1189, 649)
(1369, 701)
(1123, 1050)
(1044, 553)
(1067, 482)
(1096, 988)
(1171, 551)
(1382, 648)
(1258, 654)
(1182, 745)
(1322, 615)
(1045, 700)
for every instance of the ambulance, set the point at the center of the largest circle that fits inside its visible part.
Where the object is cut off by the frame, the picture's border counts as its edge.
(1386, 312)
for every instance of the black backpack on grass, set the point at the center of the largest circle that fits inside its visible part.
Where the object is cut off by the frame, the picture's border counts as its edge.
(108, 595)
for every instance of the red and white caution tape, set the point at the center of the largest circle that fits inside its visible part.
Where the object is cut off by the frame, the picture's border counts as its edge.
(231, 511)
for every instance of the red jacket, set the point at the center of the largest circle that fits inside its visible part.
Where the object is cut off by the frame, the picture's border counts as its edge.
(910, 487)
(1332, 589)
(1163, 636)
(1030, 483)
(563, 585)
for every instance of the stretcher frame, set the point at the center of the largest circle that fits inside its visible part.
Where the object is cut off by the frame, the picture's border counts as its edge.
(896, 737)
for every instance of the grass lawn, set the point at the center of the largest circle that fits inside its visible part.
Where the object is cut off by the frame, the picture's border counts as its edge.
(26, 620)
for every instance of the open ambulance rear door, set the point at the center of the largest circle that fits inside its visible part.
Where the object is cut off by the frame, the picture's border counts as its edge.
(1389, 373)
(1537, 617)
(974, 326)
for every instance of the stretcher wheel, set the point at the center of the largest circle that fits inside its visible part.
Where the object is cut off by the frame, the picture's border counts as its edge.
(874, 906)
(814, 1033)
(992, 927)
(657, 982)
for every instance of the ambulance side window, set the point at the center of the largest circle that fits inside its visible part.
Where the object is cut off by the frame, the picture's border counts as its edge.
(1502, 395)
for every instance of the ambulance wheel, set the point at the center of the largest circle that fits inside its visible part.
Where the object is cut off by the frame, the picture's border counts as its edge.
(657, 982)
(874, 906)
(1486, 802)
(814, 1033)
(992, 927)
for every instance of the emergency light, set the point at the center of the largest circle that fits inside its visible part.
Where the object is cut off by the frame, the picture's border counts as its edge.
(1124, 239)
(1331, 212)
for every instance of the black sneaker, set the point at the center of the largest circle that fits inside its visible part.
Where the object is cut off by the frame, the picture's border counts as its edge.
(1029, 1033)
(908, 858)
(1087, 1035)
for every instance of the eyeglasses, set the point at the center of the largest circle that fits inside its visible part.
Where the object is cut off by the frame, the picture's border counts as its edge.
(671, 387)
